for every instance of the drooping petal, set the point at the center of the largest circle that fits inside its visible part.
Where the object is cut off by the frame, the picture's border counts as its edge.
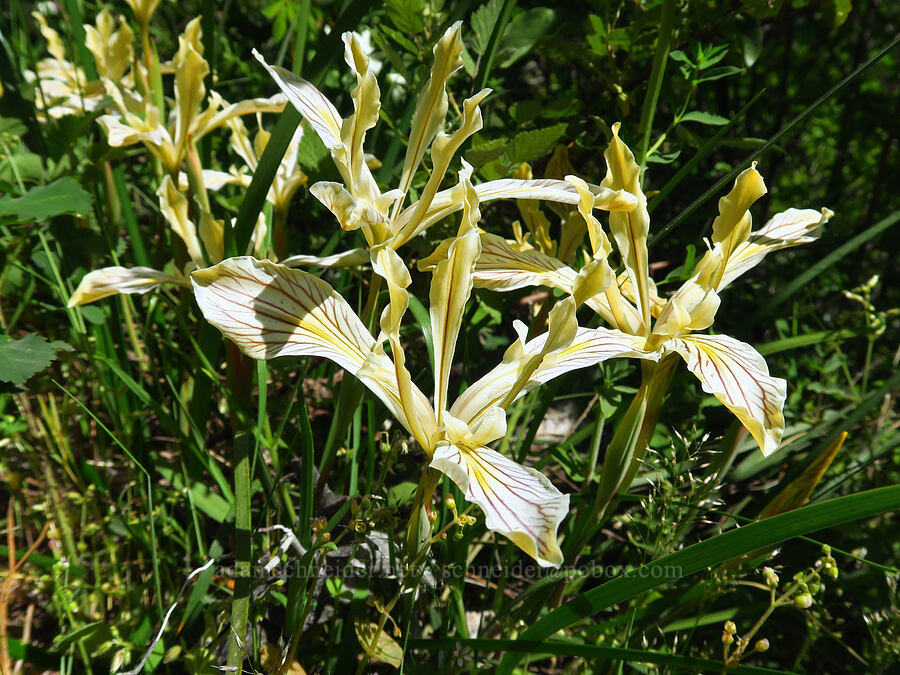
(431, 108)
(738, 376)
(270, 310)
(119, 134)
(788, 228)
(220, 112)
(630, 228)
(112, 280)
(502, 268)
(589, 347)
(518, 502)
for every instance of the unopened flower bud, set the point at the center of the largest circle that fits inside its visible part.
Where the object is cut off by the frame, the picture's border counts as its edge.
(451, 503)
(771, 577)
(803, 601)
(730, 628)
(761, 645)
(325, 537)
(727, 638)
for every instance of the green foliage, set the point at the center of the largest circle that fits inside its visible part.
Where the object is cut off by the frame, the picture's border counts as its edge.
(60, 197)
(30, 354)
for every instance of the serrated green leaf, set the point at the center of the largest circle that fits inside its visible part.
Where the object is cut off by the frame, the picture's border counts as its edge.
(20, 359)
(61, 196)
(401, 40)
(311, 150)
(406, 15)
(481, 154)
(531, 145)
(704, 118)
(483, 20)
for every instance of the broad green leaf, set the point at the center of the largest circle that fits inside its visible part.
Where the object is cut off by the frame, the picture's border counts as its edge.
(523, 31)
(39, 203)
(384, 649)
(22, 358)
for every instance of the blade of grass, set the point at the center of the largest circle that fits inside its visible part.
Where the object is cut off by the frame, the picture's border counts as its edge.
(787, 128)
(808, 339)
(677, 661)
(490, 53)
(704, 150)
(648, 111)
(713, 551)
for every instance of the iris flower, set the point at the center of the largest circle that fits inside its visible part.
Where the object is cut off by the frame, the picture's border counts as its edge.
(270, 310)
(358, 203)
(731, 370)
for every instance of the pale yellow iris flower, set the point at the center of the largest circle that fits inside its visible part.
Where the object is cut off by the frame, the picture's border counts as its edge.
(138, 119)
(61, 87)
(731, 370)
(358, 203)
(270, 310)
